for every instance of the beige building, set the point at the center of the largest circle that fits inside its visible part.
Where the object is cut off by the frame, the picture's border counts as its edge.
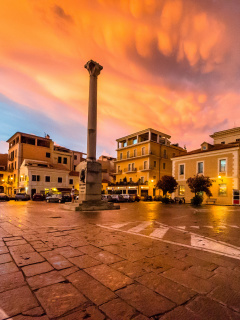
(5, 182)
(219, 161)
(142, 159)
(44, 155)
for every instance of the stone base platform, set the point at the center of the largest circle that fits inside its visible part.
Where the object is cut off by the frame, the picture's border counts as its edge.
(90, 206)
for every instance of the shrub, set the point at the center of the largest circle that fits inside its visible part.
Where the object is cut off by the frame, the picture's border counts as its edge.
(197, 200)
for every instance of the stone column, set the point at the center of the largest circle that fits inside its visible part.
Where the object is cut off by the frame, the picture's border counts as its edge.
(94, 70)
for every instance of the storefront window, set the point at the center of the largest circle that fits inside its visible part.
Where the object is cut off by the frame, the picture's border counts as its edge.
(181, 190)
(222, 190)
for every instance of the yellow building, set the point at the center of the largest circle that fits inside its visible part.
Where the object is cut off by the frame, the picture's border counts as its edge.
(218, 161)
(142, 159)
(25, 149)
(5, 184)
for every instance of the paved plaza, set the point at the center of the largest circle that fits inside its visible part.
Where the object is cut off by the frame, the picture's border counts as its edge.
(145, 261)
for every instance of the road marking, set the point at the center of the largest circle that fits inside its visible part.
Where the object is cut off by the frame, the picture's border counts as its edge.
(195, 227)
(230, 225)
(197, 242)
(159, 232)
(140, 227)
(181, 227)
(120, 225)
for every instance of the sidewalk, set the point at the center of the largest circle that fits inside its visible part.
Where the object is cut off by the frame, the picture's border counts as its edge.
(88, 272)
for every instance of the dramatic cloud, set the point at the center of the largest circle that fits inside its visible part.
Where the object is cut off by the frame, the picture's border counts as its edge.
(172, 65)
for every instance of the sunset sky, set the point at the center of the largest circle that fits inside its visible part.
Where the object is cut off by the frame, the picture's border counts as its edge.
(172, 65)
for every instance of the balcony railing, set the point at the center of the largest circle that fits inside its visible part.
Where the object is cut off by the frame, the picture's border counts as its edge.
(146, 168)
(10, 158)
(127, 170)
(138, 183)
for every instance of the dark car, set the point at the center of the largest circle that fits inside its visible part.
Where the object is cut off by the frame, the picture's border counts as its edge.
(147, 198)
(4, 197)
(38, 197)
(61, 198)
(116, 198)
(22, 196)
(66, 198)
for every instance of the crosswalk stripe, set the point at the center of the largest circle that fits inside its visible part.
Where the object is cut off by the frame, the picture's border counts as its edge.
(140, 227)
(214, 246)
(181, 227)
(195, 227)
(230, 225)
(119, 225)
(159, 232)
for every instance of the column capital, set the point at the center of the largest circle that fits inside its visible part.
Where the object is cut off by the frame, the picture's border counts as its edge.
(93, 68)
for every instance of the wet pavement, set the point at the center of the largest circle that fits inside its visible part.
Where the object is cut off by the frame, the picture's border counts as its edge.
(145, 261)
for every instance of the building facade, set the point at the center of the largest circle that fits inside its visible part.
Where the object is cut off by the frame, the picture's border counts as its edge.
(142, 159)
(5, 184)
(219, 161)
(28, 154)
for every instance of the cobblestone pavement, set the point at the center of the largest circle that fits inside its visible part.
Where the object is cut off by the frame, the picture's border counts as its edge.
(145, 261)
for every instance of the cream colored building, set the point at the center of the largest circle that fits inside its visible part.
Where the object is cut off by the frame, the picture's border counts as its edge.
(219, 161)
(142, 159)
(47, 156)
(5, 182)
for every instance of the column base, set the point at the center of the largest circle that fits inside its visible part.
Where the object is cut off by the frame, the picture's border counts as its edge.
(92, 205)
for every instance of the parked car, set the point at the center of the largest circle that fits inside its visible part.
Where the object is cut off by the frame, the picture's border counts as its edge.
(106, 197)
(22, 196)
(61, 198)
(4, 197)
(116, 198)
(38, 197)
(147, 198)
(128, 197)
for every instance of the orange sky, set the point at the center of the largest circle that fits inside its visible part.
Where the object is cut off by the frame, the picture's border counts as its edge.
(172, 65)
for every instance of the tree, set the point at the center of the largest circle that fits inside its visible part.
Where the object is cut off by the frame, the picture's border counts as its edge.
(199, 184)
(167, 184)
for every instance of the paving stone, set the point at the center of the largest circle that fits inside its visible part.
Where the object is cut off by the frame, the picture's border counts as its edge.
(141, 317)
(145, 300)
(15, 242)
(68, 252)
(181, 313)
(227, 296)
(8, 268)
(5, 258)
(24, 317)
(188, 280)
(68, 271)
(16, 301)
(91, 288)
(224, 280)
(107, 257)
(165, 261)
(109, 277)
(45, 279)
(58, 261)
(60, 298)
(200, 272)
(206, 308)
(38, 311)
(131, 269)
(25, 259)
(11, 280)
(90, 313)
(199, 262)
(11, 238)
(118, 309)
(23, 248)
(37, 268)
(168, 288)
(3, 249)
(84, 261)
(89, 249)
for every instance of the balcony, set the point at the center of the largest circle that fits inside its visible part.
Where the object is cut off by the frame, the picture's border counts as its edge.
(126, 170)
(146, 168)
(10, 158)
(118, 172)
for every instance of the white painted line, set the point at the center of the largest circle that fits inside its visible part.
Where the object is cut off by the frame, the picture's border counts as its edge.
(159, 232)
(120, 225)
(230, 225)
(195, 227)
(140, 227)
(222, 227)
(181, 227)
(214, 246)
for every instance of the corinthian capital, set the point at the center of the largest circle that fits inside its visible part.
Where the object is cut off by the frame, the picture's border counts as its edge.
(93, 68)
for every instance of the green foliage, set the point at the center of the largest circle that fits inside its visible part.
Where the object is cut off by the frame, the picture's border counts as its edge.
(199, 184)
(197, 200)
(167, 184)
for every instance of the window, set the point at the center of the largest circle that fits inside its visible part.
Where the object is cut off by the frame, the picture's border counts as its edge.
(200, 167)
(142, 179)
(129, 167)
(75, 157)
(59, 159)
(121, 156)
(34, 177)
(130, 179)
(135, 152)
(135, 141)
(165, 154)
(74, 168)
(204, 148)
(237, 140)
(222, 190)
(181, 190)
(155, 164)
(15, 164)
(125, 143)
(48, 154)
(47, 179)
(128, 154)
(16, 153)
(164, 165)
(181, 169)
(223, 142)
(118, 168)
(70, 181)
(133, 166)
(143, 150)
(65, 160)
(145, 165)
(222, 165)
(59, 179)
